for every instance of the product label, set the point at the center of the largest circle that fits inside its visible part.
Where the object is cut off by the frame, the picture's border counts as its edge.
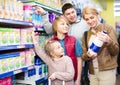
(94, 48)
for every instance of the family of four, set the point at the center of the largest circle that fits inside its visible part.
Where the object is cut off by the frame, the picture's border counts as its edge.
(65, 52)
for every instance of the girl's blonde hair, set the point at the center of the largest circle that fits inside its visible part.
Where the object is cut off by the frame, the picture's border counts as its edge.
(55, 23)
(48, 46)
(89, 10)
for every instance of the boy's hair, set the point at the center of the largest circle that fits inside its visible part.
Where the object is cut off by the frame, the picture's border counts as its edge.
(48, 46)
(67, 6)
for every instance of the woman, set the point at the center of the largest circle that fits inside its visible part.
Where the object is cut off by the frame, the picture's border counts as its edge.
(102, 65)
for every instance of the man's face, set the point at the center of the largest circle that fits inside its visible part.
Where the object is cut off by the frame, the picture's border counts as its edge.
(70, 15)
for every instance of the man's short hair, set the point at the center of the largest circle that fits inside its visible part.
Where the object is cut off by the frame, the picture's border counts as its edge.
(66, 6)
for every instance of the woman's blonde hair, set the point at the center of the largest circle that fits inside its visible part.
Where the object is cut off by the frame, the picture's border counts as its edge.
(55, 23)
(48, 47)
(89, 10)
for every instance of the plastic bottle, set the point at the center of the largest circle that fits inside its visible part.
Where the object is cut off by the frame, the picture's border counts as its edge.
(96, 45)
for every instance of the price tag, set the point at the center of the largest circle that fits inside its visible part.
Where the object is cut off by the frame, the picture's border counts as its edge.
(17, 71)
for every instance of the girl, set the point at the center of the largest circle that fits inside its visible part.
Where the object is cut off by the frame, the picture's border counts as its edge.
(71, 45)
(102, 65)
(60, 67)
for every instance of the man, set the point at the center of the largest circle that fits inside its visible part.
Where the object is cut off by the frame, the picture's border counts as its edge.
(77, 28)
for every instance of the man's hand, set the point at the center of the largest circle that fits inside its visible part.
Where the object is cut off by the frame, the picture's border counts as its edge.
(40, 10)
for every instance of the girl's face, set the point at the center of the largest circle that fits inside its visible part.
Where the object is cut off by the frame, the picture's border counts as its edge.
(57, 51)
(62, 27)
(91, 20)
(71, 15)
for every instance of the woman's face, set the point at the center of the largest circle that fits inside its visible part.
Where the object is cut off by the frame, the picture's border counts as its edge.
(91, 20)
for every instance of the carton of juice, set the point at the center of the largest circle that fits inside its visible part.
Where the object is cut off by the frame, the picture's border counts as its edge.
(4, 37)
(4, 65)
(22, 59)
(17, 36)
(17, 62)
(11, 62)
(28, 58)
(23, 36)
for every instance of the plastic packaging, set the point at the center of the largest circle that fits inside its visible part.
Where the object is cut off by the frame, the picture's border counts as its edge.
(96, 45)
(51, 17)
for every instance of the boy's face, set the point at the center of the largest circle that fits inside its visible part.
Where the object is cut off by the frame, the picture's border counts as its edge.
(57, 51)
(71, 15)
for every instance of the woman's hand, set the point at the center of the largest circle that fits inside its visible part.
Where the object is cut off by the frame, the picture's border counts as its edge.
(91, 54)
(104, 37)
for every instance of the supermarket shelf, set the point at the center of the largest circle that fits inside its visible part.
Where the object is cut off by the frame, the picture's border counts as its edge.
(48, 8)
(32, 82)
(41, 80)
(10, 73)
(8, 55)
(29, 45)
(15, 23)
(40, 31)
(12, 47)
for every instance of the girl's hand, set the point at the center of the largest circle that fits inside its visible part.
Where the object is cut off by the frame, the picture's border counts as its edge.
(52, 77)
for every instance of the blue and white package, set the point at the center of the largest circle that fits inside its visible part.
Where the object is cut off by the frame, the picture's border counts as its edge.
(96, 45)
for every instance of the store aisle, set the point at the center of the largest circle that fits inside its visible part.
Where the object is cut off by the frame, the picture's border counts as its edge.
(118, 80)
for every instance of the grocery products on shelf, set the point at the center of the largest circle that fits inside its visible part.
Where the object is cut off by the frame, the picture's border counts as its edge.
(18, 61)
